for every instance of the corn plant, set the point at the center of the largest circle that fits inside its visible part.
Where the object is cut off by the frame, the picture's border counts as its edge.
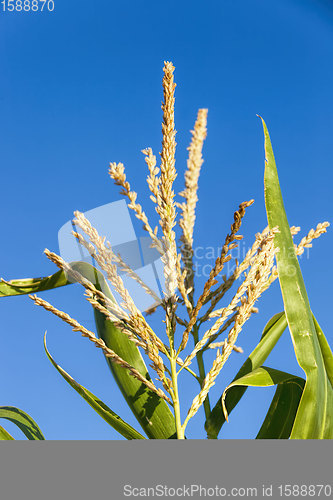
(196, 319)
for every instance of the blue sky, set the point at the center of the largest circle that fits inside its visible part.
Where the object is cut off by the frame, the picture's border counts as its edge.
(81, 87)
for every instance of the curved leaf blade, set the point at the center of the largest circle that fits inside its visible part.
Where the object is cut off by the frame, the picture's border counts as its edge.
(101, 408)
(315, 410)
(281, 415)
(23, 421)
(271, 334)
(33, 285)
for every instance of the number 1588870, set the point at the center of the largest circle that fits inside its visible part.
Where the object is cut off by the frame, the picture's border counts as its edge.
(27, 5)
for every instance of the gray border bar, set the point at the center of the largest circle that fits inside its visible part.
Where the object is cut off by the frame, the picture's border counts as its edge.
(89, 470)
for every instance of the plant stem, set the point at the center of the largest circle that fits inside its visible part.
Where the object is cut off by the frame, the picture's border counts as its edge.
(175, 397)
(201, 367)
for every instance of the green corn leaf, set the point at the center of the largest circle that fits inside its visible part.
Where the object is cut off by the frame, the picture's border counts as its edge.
(325, 350)
(151, 411)
(4, 435)
(101, 408)
(315, 412)
(23, 421)
(280, 417)
(33, 285)
(271, 334)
